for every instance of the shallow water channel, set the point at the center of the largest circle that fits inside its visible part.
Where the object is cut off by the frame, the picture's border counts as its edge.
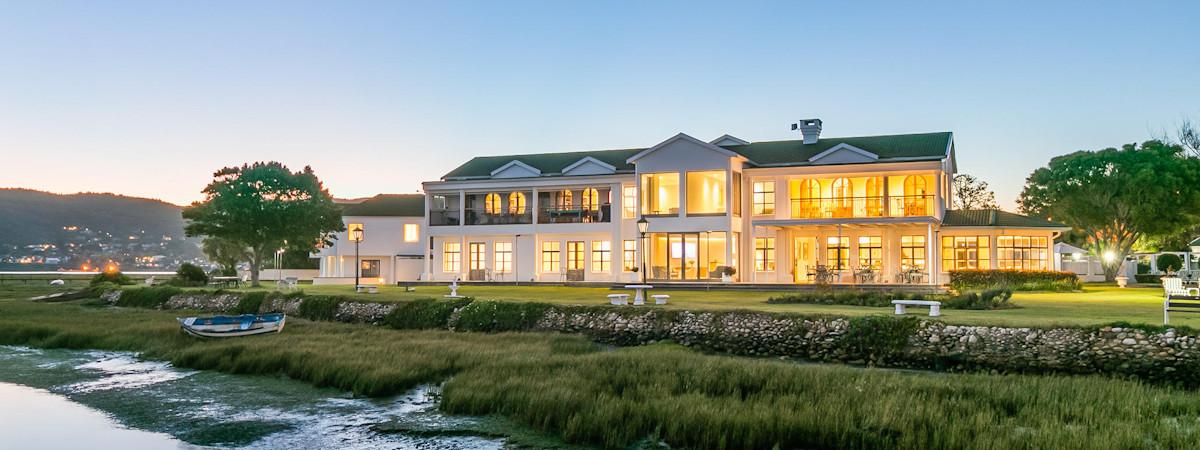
(55, 398)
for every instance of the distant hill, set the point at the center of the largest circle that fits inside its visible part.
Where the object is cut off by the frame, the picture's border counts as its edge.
(32, 217)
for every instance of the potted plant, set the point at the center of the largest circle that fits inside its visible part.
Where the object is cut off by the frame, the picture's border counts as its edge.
(1122, 280)
(727, 274)
(633, 277)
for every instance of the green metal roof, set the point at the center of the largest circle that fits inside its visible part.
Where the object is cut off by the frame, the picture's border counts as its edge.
(399, 205)
(900, 147)
(994, 218)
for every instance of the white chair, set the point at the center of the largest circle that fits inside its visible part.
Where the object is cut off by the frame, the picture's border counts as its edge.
(1173, 287)
(660, 299)
(618, 299)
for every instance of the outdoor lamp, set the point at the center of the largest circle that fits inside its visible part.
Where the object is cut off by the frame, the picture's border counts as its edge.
(643, 225)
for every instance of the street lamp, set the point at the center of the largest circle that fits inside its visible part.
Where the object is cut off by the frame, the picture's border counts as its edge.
(356, 235)
(643, 225)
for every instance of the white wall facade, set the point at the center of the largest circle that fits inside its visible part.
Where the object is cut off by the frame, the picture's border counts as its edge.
(384, 241)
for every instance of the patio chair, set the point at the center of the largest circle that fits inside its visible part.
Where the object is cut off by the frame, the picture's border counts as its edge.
(1173, 287)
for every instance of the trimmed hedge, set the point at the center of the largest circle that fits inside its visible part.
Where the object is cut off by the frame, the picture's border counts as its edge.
(318, 307)
(424, 313)
(853, 298)
(250, 302)
(996, 298)
(492, 316)
(1017, 280)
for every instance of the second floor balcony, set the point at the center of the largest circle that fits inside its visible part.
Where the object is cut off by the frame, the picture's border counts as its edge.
(863, 207)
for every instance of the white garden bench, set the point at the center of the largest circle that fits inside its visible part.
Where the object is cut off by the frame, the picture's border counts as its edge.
(367, 288)
(1178, 297)
(935, 308)
(660, 299)
(618, 299)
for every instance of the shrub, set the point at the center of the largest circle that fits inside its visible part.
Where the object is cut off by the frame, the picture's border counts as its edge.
(147, 297)
(1146, 278)
(1169, 262)
(250, 303)
(489, 316)
(424, 313)
(876, 339)
(1017, 280)
(319, 307)
(111, 277)
(854, 298)
(989, 299)
(190, 275)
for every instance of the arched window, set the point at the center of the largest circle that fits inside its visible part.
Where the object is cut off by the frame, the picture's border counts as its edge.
(914, 185)
(564, 199)
(491, 204)
(916, 196)
(516, 203)
(842, 193)
(810, 189)
(591, 199)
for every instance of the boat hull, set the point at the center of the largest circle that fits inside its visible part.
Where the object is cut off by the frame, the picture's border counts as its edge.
(232, 326)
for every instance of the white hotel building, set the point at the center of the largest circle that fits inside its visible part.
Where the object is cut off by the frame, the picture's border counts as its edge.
(865, 210)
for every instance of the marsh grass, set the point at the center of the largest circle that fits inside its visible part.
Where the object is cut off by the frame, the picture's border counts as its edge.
(567, 386)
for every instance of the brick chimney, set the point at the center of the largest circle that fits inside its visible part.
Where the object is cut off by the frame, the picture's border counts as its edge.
(810, 129)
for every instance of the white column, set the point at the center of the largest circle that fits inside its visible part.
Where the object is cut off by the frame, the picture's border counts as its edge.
(935, 273)
(616, 244)
(462, 208)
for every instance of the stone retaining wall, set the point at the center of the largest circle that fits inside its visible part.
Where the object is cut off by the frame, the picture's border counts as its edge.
(876, 340)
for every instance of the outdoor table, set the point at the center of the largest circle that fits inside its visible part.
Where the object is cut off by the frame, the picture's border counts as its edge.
(640, 296)
(226, 281)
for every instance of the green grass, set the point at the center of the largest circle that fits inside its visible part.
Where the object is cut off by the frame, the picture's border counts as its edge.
(1095, 305)
(566, 386)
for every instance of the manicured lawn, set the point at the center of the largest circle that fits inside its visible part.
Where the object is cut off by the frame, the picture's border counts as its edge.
(1097, 304)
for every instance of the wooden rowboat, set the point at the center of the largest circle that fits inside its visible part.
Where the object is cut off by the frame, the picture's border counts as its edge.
(232, 326)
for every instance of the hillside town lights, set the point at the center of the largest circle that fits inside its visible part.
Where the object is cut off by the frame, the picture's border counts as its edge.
(356, 235)
(642, 226)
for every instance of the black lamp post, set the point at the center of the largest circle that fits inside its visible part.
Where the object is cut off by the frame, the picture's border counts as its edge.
(643, 225)
(356, 235)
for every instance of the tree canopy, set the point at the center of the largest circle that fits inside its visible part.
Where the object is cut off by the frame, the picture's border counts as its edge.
(264, 207)
(1116, 196)
(972, 193)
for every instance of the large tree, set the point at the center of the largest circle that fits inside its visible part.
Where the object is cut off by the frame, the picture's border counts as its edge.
(1116, 196)
(226, 253)
(972, 193)
(264, 207)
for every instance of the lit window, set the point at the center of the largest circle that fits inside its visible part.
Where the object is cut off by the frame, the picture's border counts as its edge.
(1021, 252)
(491, 204)
(706, 192)
(737, 193)
(965, 252)
(842, 194)
(601, 256)
(912, 252)
(475, 255)
(503, 257)
(870, 252)
(806, 199)
(452, 257)
(565, 199)
(837, 255)
(516, 203)
(628, 202)
(660, 193)
(411, 232)
(551, 256)
(574, 255)
(629, 255)
(591, 199)
(764, 254)
(764, 197)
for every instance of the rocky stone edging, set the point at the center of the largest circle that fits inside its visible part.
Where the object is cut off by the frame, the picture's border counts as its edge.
(1156, 356)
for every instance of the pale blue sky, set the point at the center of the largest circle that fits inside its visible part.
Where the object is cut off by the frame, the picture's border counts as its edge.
(149, 98)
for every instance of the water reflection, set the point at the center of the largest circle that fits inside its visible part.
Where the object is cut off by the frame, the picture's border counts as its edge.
(208, 408)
